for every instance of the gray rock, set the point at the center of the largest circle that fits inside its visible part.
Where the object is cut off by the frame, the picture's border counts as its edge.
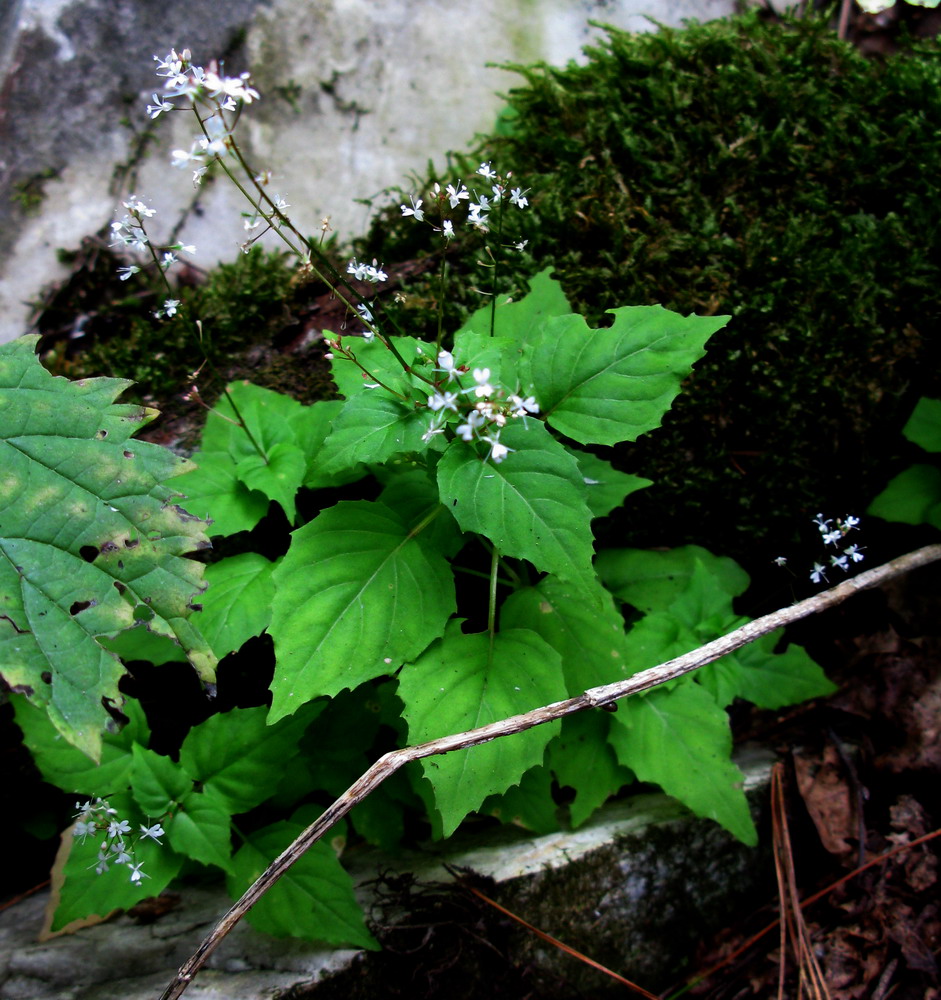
(635, 888)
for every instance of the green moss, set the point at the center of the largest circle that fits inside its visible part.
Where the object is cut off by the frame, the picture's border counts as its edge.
(770, 171)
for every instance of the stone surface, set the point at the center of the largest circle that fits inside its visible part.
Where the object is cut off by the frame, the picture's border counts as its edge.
(356, 94)
(634, 888)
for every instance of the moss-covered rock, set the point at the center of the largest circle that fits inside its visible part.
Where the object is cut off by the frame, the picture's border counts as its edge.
(762, 169)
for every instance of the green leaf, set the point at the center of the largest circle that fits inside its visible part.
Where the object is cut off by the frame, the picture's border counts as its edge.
(236, 753)
(582, 758)
(465, 681)
(358, 593)
(528, 804)
(157, 781)
(652, 581)
(139, 643)
(86, 893)
(201, 828)
(278, 475)
(372, 427)
(522, 320)
(912, 497)
(61, 764)
(612, 385)
(680, 740)
(237, 604)
(607, 488)
(88, 534)
(585, 629)
(924, 425)
(531, 506)
(214, 491)
(232, 481)
(765, 678)
(381, 364)
(314, 900)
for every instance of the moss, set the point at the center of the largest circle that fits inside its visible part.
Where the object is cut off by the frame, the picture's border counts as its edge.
(762, 169)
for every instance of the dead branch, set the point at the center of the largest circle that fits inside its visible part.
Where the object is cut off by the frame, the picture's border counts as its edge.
(598, 697)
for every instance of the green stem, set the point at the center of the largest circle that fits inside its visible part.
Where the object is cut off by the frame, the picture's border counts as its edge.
(492, 605)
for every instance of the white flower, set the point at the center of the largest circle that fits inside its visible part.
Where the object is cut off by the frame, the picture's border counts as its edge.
(121, 855)
(136, 207)
(280, 204)
(83, 828)
(817, 573)
(153, 832)
(521, 246)
(822, 523)
(443, 401)
(136, 873)
(184, 248)
(850, 522)
(447, 229)
(832, 537)
(483, 387)
(182, 157)
(523, 406)
(125, 272)
(117, 828)
(840, 561)
(498, 451)
(235, 87)
(168, 260)
(855, 553)
(457, 194)
(159, 106)
(168, 309)
(485, 171)
(415, 210)
(446, 365)
(467, 430)
(878, 6)
(518, 198)
(780, 561)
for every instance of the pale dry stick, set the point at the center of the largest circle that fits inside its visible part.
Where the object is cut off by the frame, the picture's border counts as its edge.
(599, 697)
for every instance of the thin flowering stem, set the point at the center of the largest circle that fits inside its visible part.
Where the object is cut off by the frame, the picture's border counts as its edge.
(492, 603)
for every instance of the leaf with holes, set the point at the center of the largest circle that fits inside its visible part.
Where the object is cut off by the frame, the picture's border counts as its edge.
(612, 385)
(91, 540)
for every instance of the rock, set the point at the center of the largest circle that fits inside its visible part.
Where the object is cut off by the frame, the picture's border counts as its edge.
(635, 888)
(355, 95)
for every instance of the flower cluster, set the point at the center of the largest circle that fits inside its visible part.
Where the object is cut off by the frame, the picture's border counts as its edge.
(181, 78)
(131, 233)
(367, 272)
(478, 209)
(484, 415)
(832, 533)
(96, 816)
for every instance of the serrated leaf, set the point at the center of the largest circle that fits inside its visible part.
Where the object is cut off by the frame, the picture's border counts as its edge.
(465, 681)
(924, 425)
(612, 385)
(313, 900)
(235, 753)
(912, 497)
(765, 678)
(214, 491)
(201, 828)
(279, 475)
(88, 533)
(531, 506)
(521, 320)
(358, 593)
(528, 804)
(86, 893)
(237, 604)
(582, 758)
(607, 487)
(372, 427)
(652, 581)
(157, 782)
(583, 626)
(61, 764)
(680, 740)
(501, 355)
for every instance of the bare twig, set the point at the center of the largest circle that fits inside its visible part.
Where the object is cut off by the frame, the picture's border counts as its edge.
(598, 697)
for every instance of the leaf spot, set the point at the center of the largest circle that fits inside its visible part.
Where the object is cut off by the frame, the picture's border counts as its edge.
(46, 677)
(79, 606)
(102, 434)
(129, 454)
(88, 552)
